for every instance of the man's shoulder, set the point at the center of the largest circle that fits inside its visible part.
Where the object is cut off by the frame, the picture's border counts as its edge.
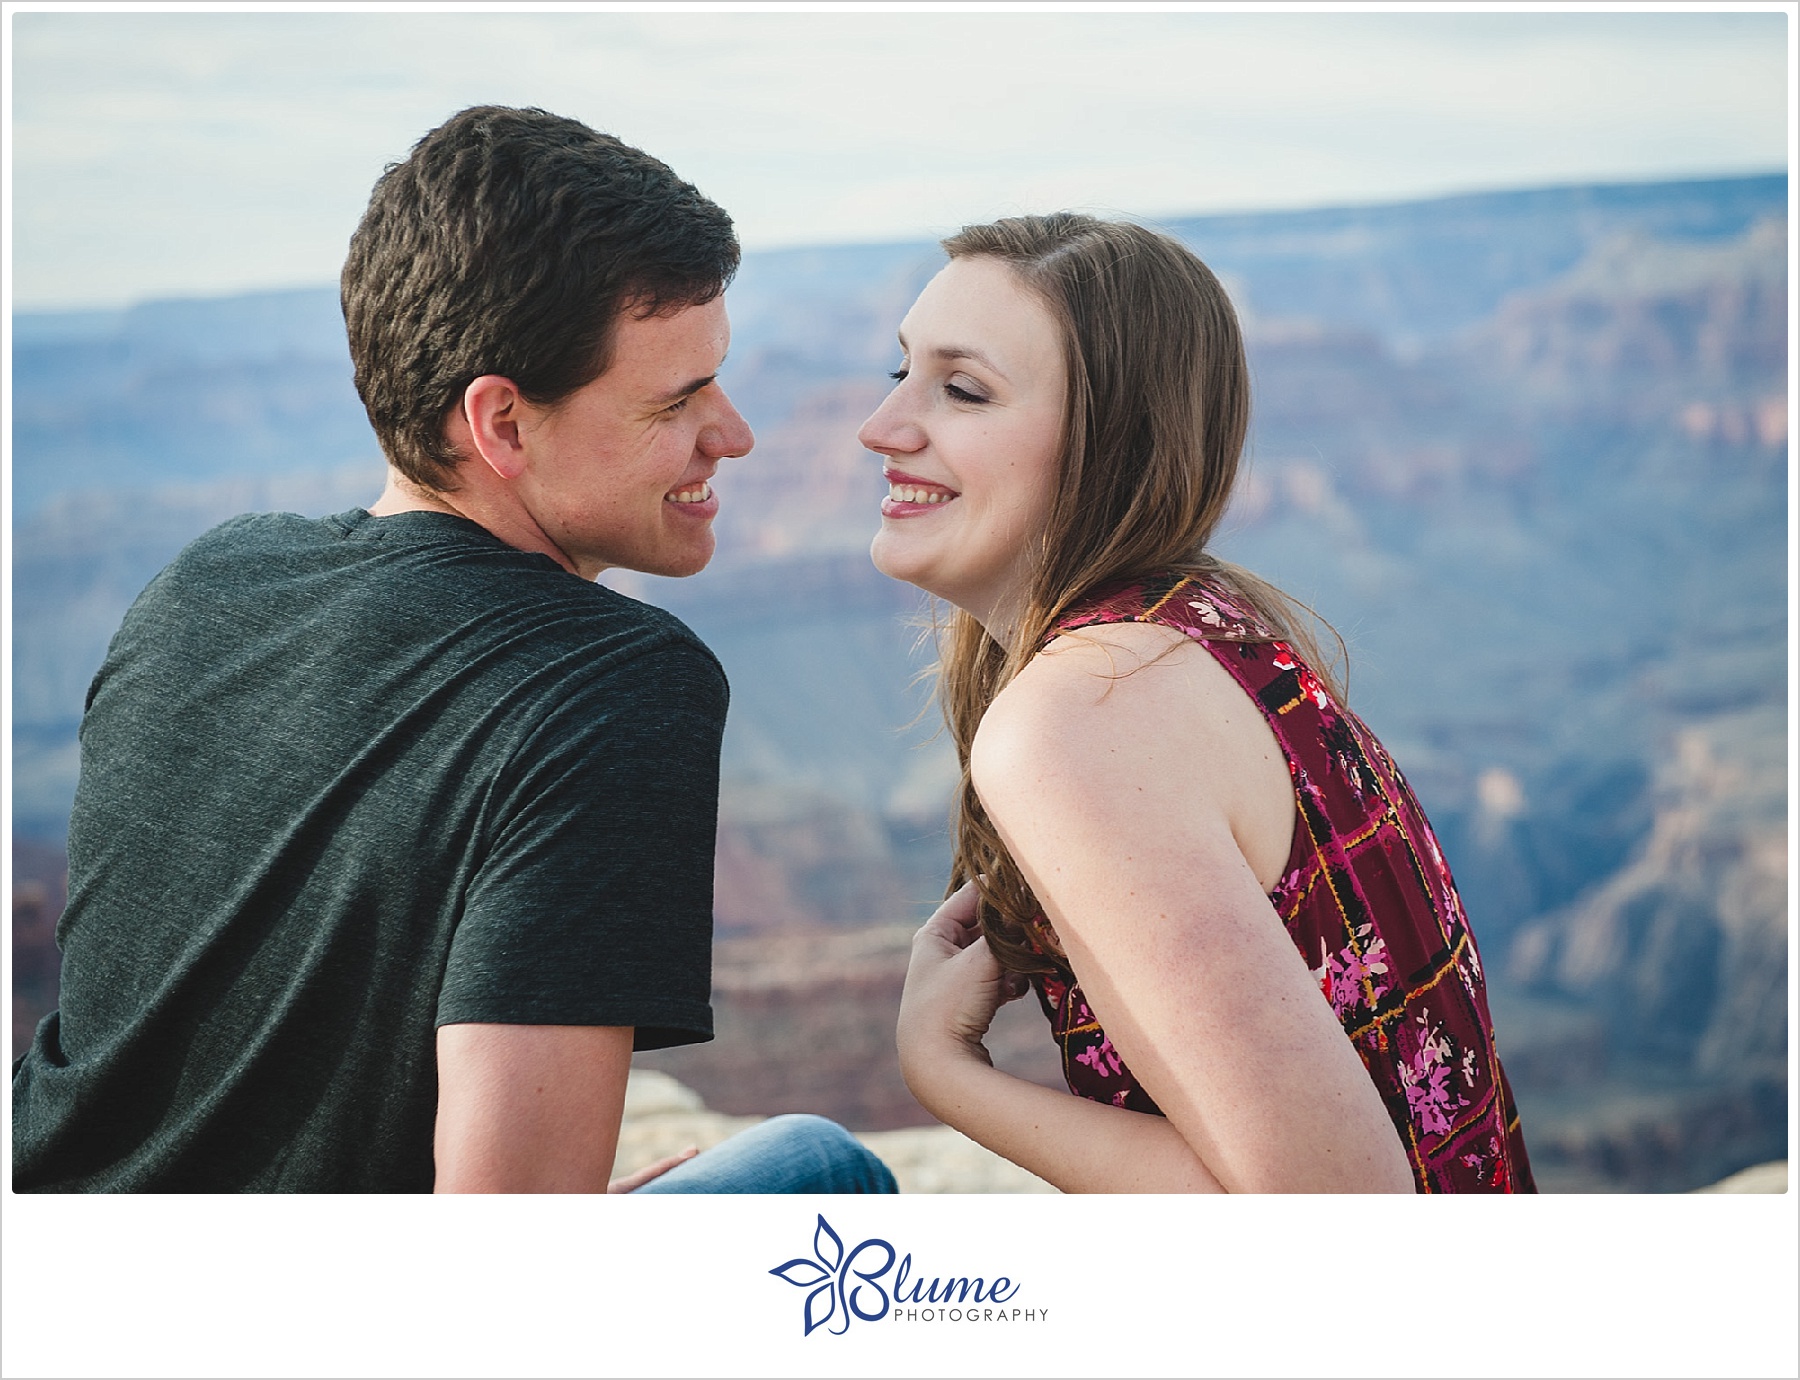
(642, 645)
(429, 590)
(253, 532)
(249, 548)
(564, 635)
(653, 635)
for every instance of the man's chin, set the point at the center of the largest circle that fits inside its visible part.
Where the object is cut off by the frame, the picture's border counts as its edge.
(677, 565)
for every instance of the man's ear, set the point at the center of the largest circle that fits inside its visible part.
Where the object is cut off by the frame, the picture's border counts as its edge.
(486, 425)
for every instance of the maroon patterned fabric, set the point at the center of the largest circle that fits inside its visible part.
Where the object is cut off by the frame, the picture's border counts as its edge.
(1366, 897)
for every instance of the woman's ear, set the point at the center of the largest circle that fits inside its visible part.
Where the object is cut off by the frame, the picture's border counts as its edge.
(486, 425)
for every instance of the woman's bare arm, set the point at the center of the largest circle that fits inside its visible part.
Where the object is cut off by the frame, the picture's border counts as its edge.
(953, 987)
(1120, 796)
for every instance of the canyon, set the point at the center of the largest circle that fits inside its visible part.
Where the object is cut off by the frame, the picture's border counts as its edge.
(1528, 452)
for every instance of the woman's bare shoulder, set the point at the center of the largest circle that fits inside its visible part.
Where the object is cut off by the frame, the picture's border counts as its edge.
(1133, 641)
(1089, 696)
(1112, 674)
(1076, 678)
(1127, 719)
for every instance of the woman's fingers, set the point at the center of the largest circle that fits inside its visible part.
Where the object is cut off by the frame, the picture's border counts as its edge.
(952, 936)
(1008, 986)
(980, 960)
(955, 921)
(962, 902)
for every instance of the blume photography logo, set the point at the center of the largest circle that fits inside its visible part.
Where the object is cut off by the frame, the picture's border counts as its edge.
(847, 1284)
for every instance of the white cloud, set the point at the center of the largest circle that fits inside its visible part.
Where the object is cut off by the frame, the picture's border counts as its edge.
(166, 153)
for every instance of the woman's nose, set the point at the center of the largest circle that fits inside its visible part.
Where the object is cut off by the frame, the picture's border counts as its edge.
(888, 431)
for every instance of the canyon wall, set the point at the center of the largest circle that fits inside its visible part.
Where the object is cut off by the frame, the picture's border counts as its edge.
(1528, 452)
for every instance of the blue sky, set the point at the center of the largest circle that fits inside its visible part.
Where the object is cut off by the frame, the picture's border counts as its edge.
(194, 153)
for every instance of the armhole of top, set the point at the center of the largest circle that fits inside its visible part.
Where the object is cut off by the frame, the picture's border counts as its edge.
(1300, 846)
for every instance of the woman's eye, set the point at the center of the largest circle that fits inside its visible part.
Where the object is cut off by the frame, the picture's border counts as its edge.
(898, 374)
(963, 394)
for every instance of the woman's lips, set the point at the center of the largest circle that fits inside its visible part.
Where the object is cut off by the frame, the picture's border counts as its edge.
(910, 496)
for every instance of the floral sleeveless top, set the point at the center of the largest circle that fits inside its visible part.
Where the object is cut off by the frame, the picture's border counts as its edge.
(1367, 899)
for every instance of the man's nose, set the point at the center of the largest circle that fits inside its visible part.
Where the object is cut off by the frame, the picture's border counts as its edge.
(728, 434)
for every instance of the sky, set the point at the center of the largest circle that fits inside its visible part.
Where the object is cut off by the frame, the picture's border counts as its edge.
(199, 153)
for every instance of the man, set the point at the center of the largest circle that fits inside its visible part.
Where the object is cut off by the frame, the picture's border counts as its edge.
(394, 833)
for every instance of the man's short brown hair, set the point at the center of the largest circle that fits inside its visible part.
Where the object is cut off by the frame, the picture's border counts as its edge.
(508, 243)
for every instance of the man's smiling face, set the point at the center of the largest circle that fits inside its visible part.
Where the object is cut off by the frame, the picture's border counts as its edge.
(618, 473)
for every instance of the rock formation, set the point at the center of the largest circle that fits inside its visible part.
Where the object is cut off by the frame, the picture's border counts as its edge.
(663, 1118)
(1527, 450)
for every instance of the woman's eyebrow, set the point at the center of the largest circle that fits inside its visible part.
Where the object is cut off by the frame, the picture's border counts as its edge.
(968, 352)
(955, 352)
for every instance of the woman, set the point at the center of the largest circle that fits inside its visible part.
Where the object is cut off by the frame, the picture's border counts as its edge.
(1228, 900)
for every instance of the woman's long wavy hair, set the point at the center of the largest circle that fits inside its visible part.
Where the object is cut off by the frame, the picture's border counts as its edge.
(1158, 404)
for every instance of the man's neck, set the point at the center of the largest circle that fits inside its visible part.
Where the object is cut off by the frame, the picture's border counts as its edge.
(490, 511)
(401, 495)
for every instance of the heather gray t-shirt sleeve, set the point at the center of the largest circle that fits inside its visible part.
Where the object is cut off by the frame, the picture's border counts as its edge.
(592, 904)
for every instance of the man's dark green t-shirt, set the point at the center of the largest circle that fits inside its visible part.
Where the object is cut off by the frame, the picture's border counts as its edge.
(342, 782)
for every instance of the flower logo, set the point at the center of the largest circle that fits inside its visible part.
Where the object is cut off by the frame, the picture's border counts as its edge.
(828, 1275)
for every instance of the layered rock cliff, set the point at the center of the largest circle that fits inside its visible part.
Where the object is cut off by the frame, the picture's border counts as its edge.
(1527, 451)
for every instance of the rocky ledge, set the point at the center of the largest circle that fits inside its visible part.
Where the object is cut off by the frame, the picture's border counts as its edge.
(663, 1116)
(1758, 1178)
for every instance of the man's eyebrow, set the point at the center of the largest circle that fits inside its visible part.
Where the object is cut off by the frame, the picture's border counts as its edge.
(686, 390)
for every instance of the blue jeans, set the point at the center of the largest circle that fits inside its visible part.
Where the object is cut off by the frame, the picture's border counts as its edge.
(785, 1154)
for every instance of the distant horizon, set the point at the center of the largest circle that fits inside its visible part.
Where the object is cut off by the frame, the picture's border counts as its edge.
(275, 289)
(162, 153)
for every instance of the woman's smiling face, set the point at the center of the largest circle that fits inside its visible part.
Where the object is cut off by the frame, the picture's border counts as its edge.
(970, 436)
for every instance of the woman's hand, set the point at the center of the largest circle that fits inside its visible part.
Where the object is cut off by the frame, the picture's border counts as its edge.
(954, 986)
